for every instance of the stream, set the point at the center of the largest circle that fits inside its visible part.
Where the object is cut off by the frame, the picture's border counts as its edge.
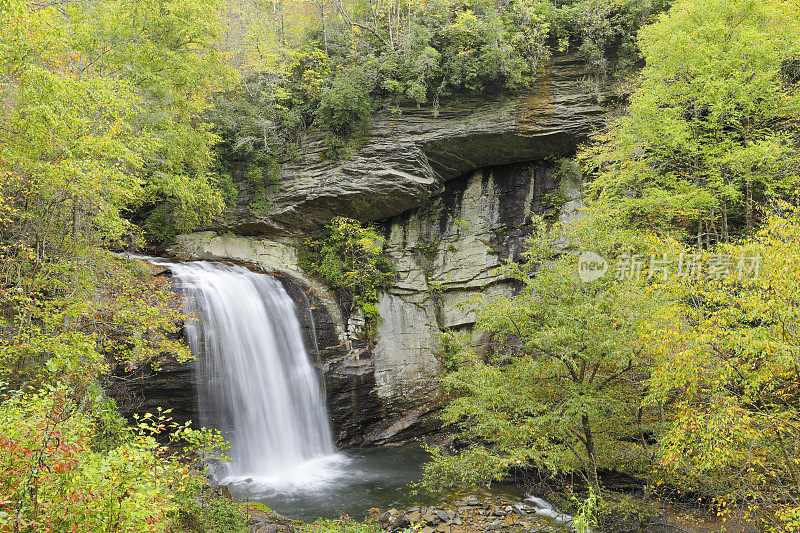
(348, 483)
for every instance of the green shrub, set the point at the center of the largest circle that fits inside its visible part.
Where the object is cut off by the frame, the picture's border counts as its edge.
(349, 257)
(262, 175)
(209, 512)
(346, 103)
(160, 225)
(345, 106)
(343, 525)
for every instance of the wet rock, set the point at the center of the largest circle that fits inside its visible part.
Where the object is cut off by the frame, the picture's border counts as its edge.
(353, 404)
(400, 523)
(264, 520)
(145, 390)
(474, 518)
(430, 519)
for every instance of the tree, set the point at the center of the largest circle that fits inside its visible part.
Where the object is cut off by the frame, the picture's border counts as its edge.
(95, 126)
(712, 124)
(559, 388)
(90, 128)
(729, 374)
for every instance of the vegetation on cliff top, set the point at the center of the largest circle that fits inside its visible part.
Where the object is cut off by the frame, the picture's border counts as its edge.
(328, 63)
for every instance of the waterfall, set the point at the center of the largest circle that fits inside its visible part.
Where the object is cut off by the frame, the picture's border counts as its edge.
(255, 381)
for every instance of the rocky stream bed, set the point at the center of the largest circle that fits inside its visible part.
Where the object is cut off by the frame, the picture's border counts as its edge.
(491, 513)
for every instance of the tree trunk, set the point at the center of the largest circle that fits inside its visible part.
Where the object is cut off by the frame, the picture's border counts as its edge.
(589, 444)
(749, 206)
(283, 28)
(324, 29)
(725, 233)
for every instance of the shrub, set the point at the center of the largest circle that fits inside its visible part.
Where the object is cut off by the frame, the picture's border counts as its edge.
(349, 257)
(71, 465)
(346, 105)
(211, 512)
(343, 525)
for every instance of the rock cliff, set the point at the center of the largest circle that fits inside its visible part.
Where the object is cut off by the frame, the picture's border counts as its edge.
(454, 194)
(408, 154)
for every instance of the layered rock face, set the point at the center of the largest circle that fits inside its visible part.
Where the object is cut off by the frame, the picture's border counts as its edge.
(454, 195)
(408, 154)
(447, 257)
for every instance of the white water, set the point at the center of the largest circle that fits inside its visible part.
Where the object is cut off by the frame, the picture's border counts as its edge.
(256, 382)
(545, 508)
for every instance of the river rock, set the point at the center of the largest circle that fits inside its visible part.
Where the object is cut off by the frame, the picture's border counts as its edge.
(473, 519)
(430, 519)
(400, 523)
(268, 528)
(263, 520)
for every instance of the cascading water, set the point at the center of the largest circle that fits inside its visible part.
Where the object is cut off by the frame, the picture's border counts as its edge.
(256, 383)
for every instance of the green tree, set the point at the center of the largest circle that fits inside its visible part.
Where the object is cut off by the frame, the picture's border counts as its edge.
(92, 127)
(558, 389)
(349, 257)
(728, 372)
(712, 125)
(346, 105)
